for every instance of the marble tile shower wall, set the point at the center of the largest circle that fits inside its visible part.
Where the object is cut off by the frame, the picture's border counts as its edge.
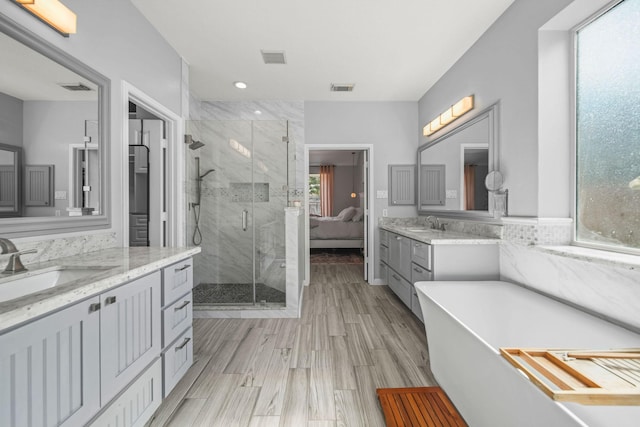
(240, 152)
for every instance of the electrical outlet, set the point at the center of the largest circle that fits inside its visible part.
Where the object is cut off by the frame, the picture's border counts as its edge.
(385, 212)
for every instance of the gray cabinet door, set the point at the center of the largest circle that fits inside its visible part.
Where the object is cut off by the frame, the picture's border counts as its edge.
(50, 369)
(402, 185)
(38, 185)
(129, 332)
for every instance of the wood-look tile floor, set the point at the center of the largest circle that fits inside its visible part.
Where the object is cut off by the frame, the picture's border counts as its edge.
(320, 370)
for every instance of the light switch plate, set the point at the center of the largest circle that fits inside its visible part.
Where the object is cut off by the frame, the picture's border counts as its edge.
(382, 194)
(61, 195)
(452, 194)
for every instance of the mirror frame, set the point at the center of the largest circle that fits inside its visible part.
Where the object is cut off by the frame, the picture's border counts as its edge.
(491, 112)
(17, 158)
(32, 226)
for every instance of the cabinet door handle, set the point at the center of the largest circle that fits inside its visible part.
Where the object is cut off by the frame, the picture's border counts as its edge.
(110, 300)
(395, 277)
(398, 238)
(185, 342)
(184, 267)
(417, 245)
(94, 307)
(244, 219)
(417, 270)
(183, 305)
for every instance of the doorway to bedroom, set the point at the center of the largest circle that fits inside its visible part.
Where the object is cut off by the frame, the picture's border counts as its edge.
(338, 200)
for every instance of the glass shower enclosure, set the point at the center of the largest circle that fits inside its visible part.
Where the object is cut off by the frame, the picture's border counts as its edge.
(237, 193)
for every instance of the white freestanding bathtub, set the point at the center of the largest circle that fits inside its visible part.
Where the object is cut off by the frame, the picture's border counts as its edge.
(466, 323)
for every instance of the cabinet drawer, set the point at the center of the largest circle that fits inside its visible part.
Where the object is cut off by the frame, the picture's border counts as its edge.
(420, 274)
(138, 220)
(136, 405)
(421, 254)
(176, 318)
(415, 304)
(384, 254)
(177, 280)
(401, 287)
(177, 359)
(384, 237)
(384, 273)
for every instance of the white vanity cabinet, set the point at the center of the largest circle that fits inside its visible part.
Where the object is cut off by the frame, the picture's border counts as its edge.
(105, 361)
(406, 261)
(50, 369)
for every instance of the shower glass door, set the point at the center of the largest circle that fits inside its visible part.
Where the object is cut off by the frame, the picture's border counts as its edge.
(240, 214)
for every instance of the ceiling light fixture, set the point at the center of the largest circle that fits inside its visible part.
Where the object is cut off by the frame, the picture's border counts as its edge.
(240, 85)
(451, 114)
(52, 13)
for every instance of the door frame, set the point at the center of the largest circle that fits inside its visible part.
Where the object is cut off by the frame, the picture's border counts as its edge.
(175, 167)
(369, 211)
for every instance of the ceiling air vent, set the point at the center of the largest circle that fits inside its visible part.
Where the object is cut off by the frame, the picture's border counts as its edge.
(273, 57)
(75, 87)
(347, 87)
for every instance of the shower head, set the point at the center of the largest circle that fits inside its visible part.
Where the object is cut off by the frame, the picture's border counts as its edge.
(193, 144)
(207, 172)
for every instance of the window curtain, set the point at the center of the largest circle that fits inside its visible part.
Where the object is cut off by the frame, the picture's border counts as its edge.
(326, 190)
(469, 187)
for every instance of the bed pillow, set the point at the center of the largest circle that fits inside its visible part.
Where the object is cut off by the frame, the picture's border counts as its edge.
(359, 215)
(346, 214)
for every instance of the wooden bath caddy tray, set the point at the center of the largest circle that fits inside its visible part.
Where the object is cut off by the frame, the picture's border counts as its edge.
(590, 377)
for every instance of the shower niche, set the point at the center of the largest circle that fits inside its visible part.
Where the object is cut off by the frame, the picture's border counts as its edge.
(240, 212)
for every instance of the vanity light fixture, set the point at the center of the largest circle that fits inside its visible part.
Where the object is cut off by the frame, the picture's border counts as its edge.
(53, 13)
(240, 85)
(452, 113)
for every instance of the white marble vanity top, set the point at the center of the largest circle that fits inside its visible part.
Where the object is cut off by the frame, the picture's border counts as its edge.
(438, 237)
(116, 266)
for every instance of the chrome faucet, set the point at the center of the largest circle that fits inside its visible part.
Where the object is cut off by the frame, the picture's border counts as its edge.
(435, 224)
(15, 264)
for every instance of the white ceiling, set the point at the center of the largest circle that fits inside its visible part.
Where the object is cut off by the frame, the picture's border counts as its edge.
(391, 50)
(27, 75)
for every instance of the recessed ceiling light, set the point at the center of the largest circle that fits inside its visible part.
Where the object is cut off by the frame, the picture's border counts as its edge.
(240, 85)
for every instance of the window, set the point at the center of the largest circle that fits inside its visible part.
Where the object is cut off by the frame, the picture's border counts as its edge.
(314, 193)
(608, 129)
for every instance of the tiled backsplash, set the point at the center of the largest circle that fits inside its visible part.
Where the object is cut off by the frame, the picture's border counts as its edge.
(538, 231)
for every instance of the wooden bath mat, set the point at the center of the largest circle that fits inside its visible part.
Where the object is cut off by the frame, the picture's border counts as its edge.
(418, 407)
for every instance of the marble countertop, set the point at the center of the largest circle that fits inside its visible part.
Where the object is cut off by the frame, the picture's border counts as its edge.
(113, 267)
(438, 237)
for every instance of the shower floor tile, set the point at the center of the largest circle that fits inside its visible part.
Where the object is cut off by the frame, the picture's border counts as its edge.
(235, 293)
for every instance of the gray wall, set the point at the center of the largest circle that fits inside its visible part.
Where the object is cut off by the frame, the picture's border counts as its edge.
(59, 124)
(503, 66)
(388, 126)
(117, 41)
(10, 120)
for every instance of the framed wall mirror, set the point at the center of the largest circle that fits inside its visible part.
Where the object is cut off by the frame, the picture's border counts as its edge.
(55, 111)
(452, 169)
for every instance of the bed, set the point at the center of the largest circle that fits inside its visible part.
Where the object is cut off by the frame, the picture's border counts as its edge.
(343, 231)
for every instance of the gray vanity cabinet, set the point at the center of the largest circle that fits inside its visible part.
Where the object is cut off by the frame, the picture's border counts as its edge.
(177, 318)
(129, 336)
(400, 254)
(50, 369)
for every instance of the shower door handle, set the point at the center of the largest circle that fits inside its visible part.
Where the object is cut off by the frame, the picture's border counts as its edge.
(244, 219)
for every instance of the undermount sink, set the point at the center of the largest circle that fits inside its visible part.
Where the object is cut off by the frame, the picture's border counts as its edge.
(29, 282)
(424, 230)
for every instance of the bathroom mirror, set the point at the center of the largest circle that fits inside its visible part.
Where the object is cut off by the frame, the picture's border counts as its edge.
(55, 110)
(452, 169)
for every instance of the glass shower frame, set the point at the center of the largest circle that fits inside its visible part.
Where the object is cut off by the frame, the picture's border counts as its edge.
(241, 211)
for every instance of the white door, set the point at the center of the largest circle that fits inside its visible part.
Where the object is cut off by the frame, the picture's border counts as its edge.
(365, 205)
